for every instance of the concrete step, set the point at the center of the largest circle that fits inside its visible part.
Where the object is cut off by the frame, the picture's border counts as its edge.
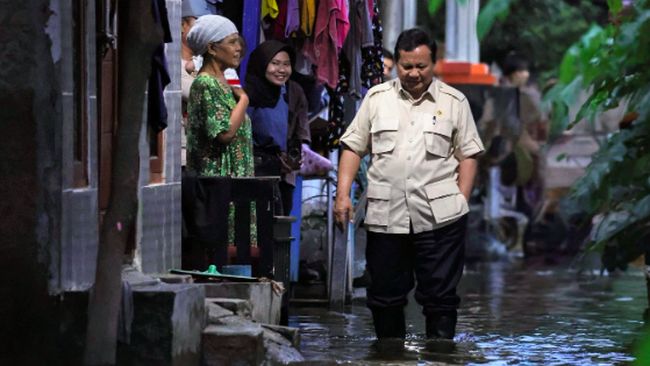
(264, 303)
(167, 324)
(290, 334)
(278, 344)
(232, 345)
(239, 307)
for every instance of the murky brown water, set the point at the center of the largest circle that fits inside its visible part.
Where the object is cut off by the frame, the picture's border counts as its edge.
(509, 315)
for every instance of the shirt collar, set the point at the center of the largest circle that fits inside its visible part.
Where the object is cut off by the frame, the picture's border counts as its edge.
(431, 92)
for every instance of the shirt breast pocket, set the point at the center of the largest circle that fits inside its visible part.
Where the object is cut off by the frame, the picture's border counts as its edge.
(384, 135)
(437, 138)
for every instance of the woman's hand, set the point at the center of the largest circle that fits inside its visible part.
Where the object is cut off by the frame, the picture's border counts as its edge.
(240, 95)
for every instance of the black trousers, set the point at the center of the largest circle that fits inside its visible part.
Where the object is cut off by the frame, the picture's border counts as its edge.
(434, 258)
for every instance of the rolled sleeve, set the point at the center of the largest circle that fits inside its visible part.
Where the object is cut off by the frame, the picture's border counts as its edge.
(356, 136)
(467, 141)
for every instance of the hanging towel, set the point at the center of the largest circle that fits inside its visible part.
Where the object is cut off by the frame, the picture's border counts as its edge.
(270, 8)
(293, 18)
(330, 30)
(308, 16)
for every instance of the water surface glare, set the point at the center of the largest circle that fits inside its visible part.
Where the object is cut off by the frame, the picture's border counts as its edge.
(509, 316)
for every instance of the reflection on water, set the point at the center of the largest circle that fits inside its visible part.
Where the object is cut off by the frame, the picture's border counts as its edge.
(509, 315)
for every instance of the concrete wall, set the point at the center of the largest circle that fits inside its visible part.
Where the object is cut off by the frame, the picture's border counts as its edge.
(66, 216)
(79, 212)
(30, 178)
(159, 217)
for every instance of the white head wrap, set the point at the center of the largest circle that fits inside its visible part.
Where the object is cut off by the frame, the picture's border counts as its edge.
(208, 29)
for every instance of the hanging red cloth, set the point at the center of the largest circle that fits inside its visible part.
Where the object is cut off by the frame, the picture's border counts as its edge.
(330, 30)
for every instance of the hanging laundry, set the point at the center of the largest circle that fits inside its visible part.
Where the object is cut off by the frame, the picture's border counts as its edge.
(270, 8)
(371, 8)
(372, 72)
(159, 77)
(307, 16)
(330, 30)
(360, 36)
(277, 27)
(293, 18)
(336, 125)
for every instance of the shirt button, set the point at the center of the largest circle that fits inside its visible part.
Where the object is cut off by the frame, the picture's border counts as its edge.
(412, 123)
(410, 140)
(408, 158)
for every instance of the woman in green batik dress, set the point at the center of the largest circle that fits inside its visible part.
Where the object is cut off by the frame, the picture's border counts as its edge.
(219, 135)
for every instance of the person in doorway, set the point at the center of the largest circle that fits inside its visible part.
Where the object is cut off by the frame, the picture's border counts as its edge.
(389, 65)
(522, 171)
(422, 142)
(278, 111)
(516, 74)
(219, 135)
(190, 11)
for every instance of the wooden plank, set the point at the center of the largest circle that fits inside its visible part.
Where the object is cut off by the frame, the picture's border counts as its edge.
(243, 231)
(338, 269)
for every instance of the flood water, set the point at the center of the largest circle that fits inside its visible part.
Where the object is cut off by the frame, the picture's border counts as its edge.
(509, 315)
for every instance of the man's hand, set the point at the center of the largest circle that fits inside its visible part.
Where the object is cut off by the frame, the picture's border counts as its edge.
(343, 211)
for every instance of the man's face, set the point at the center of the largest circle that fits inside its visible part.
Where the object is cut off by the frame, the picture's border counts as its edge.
(415, 70)
(519, 78)
(186, 25)
(389, 63)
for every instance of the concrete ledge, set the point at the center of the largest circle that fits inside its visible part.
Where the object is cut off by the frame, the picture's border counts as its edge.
(265, 304)
(291, 334)
(167, 325)
(174, 278)
(240, 307)
(230, 345)
(215, 312)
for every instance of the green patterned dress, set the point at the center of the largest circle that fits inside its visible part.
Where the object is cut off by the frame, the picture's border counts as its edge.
(209, 107)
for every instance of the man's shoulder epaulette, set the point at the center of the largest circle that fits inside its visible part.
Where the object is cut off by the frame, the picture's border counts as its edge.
(379, 88)
(445, 88)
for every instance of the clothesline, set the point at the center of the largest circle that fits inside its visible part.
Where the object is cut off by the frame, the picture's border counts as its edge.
(339, 42)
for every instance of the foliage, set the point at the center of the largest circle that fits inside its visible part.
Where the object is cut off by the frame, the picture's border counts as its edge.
(612, 63)
(493, 10)
(541, 30)
(433, 6)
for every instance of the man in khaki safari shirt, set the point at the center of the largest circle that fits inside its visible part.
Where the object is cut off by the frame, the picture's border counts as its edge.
(423, 142)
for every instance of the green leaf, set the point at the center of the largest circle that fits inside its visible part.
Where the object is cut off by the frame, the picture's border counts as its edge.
(568, 67)
(641, 209)
(493, 10)
(571, 91)
(642, 350)
(434, 6)
(612, 224)
(615, 6)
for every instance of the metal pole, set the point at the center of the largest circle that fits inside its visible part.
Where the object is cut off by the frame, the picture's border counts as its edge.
(391, 18)
(461, 41)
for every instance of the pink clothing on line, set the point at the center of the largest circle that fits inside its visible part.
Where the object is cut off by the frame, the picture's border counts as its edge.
(330, 30)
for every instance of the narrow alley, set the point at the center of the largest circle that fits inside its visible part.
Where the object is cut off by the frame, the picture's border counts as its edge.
(510, 315)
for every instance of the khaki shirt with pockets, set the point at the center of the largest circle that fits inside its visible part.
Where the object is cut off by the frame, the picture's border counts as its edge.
(415, 147)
